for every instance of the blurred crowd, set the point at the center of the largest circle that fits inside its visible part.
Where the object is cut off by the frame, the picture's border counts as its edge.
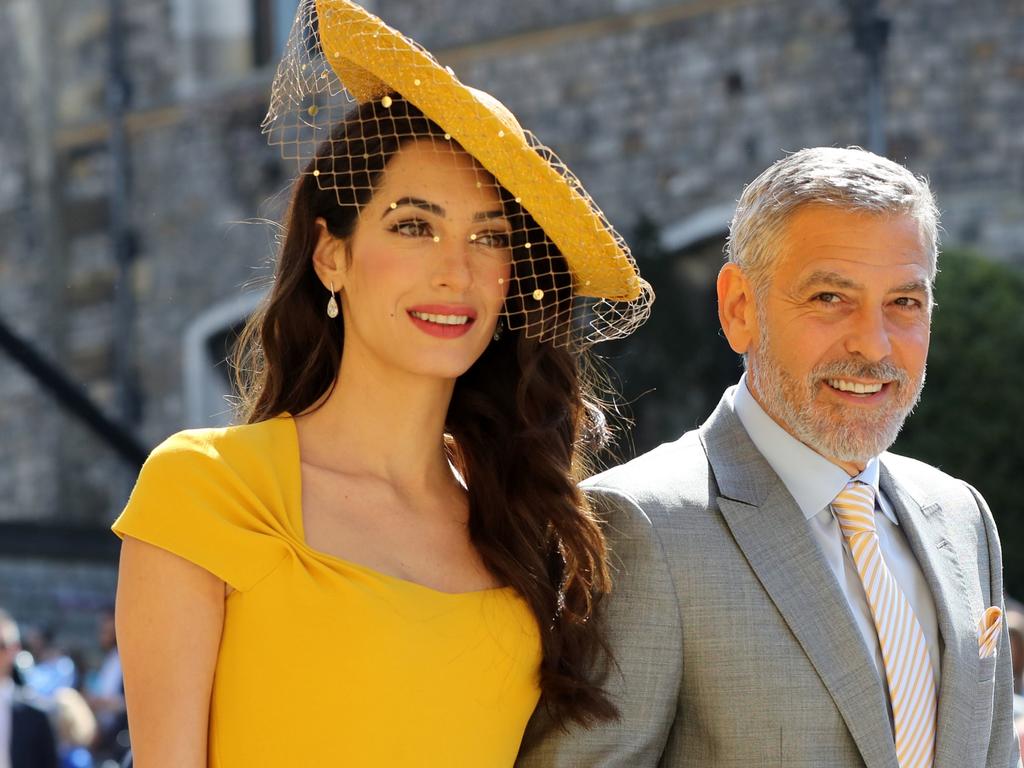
(59, 709)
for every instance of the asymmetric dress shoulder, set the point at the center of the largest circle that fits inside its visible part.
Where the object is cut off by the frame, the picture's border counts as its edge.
(325, 662)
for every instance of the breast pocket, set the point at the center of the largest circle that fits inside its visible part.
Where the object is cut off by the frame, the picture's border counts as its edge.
(986, 669)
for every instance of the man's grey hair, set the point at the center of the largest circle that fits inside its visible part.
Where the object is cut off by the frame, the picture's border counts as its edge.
(852, 179)
(9, 634)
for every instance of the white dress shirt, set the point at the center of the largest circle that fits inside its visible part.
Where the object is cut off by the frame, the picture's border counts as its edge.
(6, 699)
(813, 481)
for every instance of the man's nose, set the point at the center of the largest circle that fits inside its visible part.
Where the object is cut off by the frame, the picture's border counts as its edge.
(869, 337)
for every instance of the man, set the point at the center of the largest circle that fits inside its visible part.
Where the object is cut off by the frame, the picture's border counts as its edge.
(26, 737)
(51, 669)
(1015, 625)
(104, 691)
(787, 592)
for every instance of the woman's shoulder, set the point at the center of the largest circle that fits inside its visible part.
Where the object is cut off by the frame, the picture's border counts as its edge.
(237, 465)
(219, 497)
(255, 444)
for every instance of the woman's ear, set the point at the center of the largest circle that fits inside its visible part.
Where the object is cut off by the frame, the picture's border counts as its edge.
(329, 260)
(737, 311)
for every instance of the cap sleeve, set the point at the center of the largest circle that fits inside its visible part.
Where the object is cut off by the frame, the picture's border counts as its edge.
(191, 500)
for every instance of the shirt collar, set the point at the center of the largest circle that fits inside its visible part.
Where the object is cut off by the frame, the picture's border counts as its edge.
(812, 480)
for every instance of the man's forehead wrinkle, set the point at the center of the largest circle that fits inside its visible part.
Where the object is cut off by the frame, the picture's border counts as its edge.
(914, 259)
(833, 242)
(828, 277)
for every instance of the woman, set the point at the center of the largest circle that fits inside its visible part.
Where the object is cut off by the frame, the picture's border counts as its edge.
(389, 562)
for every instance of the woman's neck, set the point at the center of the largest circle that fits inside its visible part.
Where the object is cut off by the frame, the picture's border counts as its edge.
(383, 423)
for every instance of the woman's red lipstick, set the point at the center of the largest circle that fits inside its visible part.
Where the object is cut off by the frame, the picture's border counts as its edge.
(445, 321)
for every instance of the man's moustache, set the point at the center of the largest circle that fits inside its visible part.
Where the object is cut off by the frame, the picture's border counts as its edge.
(859, 369)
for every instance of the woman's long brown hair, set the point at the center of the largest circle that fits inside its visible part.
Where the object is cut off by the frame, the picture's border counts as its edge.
(522, 421)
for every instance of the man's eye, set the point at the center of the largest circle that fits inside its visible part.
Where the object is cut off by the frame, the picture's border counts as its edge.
(909, 302)
(828, 298)
(494, 239)
(412, 228)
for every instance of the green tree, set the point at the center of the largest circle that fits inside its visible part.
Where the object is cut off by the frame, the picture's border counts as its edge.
(970, 422)
(670, 374)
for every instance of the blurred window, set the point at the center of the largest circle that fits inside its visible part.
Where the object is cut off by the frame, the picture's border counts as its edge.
(228, 39)
(209, 342)
(273, 22)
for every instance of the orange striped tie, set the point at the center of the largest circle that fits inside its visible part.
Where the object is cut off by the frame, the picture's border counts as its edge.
(908, 667)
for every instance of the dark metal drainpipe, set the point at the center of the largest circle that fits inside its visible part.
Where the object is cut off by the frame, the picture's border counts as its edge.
(122, 237)
(870, 37)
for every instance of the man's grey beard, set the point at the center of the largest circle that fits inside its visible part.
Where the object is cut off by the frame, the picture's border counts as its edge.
(833, 430)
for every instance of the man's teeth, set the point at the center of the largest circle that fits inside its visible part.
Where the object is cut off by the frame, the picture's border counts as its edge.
(442, 319)
(852, 386)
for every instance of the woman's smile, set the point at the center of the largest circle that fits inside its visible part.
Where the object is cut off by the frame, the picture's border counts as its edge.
(446, 321)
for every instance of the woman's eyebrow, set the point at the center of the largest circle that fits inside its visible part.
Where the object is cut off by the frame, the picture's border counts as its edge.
(415, 202)
(437, 210)
(496, 214)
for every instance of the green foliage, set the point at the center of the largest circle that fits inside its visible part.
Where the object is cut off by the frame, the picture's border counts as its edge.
(672, 371)
(970, 422)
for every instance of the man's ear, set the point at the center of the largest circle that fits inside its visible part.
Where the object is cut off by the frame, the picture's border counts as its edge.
(737, 311)
(329, 260)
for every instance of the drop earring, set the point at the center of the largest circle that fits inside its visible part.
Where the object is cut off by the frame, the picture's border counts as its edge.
(332, 304)
(498, 328)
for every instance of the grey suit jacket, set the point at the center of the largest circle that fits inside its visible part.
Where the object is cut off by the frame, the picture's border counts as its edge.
(733, 642)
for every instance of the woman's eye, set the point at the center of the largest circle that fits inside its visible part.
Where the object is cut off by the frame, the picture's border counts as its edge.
(494, 239)
(412, 228)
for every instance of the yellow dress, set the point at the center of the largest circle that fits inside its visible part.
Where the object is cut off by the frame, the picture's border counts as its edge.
(324, 662)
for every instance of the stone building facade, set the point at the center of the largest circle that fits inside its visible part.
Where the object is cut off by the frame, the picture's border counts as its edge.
(663, 108)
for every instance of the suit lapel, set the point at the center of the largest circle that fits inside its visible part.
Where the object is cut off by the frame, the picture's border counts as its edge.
(776, 541)
(923, 525)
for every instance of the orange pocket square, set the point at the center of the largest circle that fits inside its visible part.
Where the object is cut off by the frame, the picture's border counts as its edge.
(988, 632)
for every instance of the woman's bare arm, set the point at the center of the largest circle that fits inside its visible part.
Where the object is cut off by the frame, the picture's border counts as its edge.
(169, 616)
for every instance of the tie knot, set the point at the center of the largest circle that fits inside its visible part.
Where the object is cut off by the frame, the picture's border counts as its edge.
(854, 508)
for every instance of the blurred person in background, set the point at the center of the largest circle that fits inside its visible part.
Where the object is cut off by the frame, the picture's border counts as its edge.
(1015, 625)
(52, 675)
(104, 692)
(26, 736)
(76, 728)
(52, 668)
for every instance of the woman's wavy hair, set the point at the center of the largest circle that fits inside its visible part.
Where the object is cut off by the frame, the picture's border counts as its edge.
(523, 423)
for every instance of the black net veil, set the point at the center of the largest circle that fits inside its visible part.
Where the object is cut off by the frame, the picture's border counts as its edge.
(350, 92)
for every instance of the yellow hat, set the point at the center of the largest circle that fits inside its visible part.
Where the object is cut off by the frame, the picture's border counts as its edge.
(337, 47)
